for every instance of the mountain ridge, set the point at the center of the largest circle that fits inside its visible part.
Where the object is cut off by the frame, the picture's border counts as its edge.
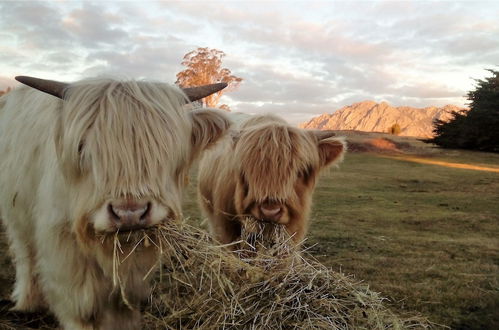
(371, 116)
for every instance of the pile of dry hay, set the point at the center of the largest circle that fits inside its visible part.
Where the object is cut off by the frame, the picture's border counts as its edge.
(265, 284)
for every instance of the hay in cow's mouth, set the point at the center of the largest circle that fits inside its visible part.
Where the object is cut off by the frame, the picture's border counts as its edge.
(260, 239)
(128, 241)
(259, 286)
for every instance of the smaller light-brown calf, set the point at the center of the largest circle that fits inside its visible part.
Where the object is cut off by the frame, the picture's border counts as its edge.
(266, 169)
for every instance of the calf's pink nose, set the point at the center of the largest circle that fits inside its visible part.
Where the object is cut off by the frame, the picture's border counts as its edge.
(128, 216)
(271, 212)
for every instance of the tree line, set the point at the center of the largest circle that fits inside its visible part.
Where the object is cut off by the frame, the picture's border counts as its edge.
(478, 128)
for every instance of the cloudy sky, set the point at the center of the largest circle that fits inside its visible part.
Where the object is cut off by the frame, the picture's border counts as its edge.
(297, 58)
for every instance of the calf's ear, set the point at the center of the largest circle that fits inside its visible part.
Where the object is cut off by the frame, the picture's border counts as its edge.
(331, 149)
(208, 126)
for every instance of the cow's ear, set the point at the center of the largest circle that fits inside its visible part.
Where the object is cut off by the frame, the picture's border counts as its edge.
(208, 125)
(331, 149)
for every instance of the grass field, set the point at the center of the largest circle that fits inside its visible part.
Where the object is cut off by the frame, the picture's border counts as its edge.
(425, 236)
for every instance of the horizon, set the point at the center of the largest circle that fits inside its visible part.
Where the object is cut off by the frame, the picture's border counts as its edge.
(297, 60)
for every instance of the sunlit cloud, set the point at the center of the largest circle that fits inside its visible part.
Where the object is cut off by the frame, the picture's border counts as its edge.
(297, 59)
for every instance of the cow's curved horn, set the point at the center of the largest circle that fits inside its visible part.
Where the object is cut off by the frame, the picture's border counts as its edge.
(197, 93)
(51, 87)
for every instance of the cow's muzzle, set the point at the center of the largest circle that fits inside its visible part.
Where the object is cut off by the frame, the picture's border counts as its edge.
(270, 211)
(127, 215)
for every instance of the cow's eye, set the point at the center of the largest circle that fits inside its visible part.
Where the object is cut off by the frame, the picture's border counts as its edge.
(306, 174)
(80, 148)
(244, 184)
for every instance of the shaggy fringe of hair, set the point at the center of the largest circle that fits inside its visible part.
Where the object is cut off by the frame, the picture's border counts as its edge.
(281, 146)
(265, 284)
(121, 129)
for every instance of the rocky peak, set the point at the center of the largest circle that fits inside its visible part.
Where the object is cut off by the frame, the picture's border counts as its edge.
(380, 117)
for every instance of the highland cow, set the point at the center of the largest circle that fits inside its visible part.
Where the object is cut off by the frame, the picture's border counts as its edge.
(265, 169)
(103, 156)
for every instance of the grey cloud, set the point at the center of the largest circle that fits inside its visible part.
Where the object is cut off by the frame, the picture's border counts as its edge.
(93, 27)
(36, 25)
(14, 57)
(285, 109)
(476, 47)
(60, 60)
(265, 84)
(443, 29)
(397, 100)
(317, 56)
(155, 62)
(242, 14)
(373, 79)
(42, 37)
(380, 36)
(427, 90)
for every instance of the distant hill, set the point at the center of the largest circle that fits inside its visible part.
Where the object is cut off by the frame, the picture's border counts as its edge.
(370, 116)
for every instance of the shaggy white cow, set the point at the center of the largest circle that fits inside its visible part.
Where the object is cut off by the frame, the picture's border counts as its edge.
(103, 156)
(267, 170)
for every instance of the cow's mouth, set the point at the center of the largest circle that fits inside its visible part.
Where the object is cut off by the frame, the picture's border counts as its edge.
(135, 228)
(134, 236)
(277, 213)
(131, 237)
(257, 232)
